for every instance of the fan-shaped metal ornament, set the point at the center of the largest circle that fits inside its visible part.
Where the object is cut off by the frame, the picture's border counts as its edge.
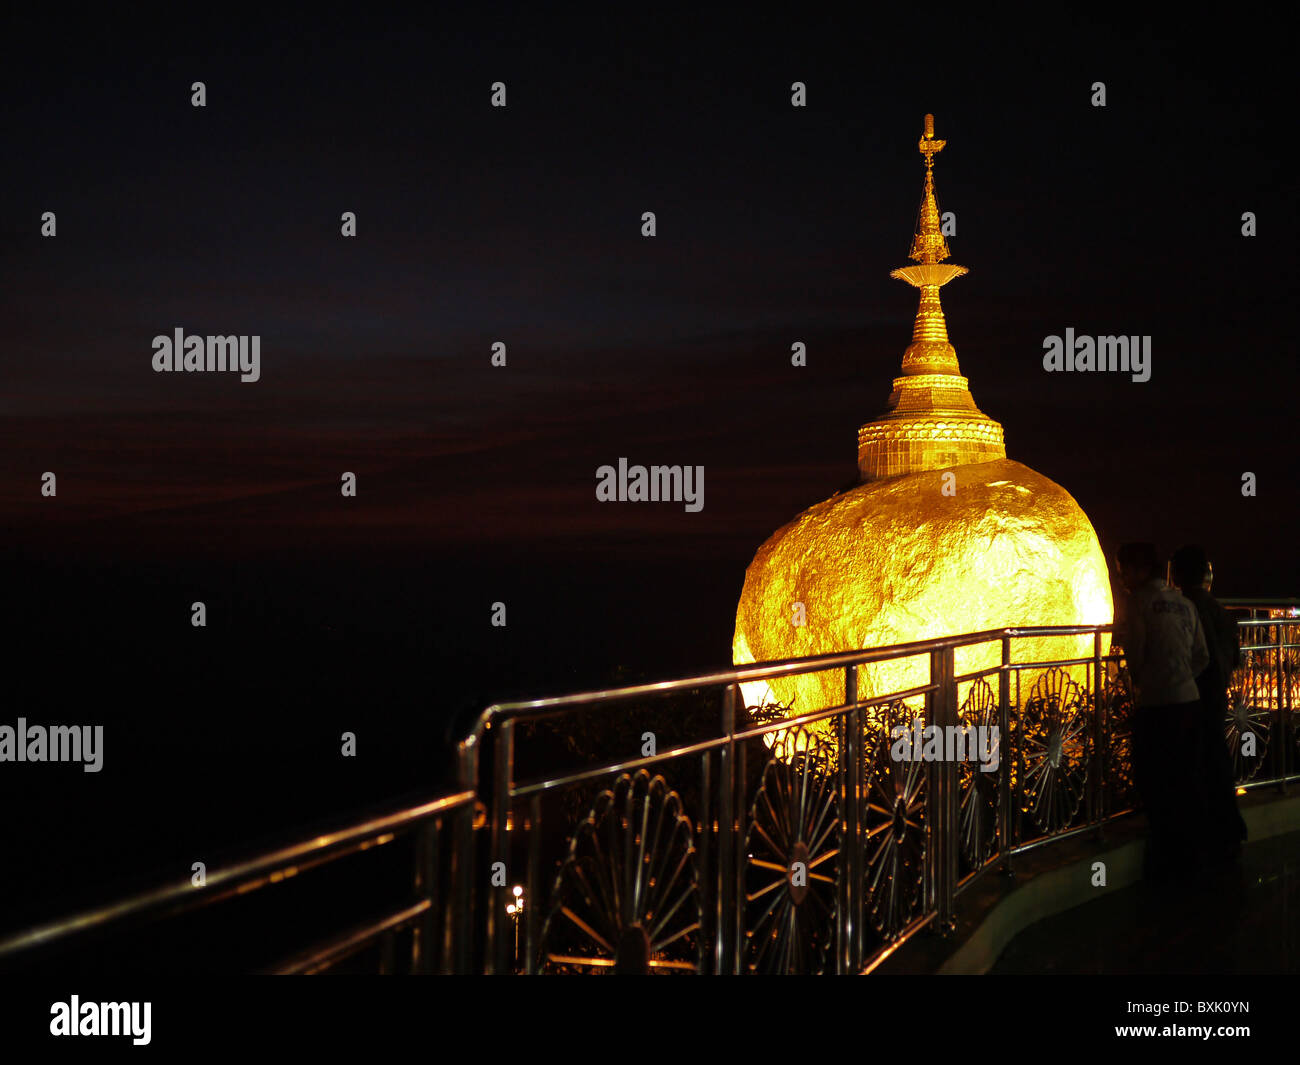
(793, 847)
(1054, 751)
(626, 898)
(978, 815)
(1247, 728)
(894, 823)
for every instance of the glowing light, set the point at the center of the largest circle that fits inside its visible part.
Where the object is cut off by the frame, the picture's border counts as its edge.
(895, 561)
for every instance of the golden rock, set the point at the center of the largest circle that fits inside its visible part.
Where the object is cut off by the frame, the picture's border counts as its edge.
(944, 536)
(897, 560)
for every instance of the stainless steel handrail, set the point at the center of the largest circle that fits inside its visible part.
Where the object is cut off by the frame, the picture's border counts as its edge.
(275, 865)
(767, 670)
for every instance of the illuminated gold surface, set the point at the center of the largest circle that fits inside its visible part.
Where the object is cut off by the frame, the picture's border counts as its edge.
(897, 558)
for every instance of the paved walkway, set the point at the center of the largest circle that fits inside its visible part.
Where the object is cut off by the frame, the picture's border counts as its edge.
(1245, 920)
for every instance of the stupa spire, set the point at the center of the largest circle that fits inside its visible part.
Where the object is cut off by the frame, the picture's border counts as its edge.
(932, 421)
(930, 351)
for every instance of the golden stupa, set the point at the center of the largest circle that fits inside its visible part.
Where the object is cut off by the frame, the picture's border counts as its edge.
(943, 536)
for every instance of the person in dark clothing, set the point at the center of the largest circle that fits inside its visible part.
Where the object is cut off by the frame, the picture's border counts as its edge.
(1225, 827)
(1166, 650)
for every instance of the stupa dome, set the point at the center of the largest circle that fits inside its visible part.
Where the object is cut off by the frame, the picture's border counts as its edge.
(944, 535)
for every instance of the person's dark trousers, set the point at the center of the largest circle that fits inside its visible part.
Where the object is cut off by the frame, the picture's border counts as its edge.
(1167, 743)
(1226, 828)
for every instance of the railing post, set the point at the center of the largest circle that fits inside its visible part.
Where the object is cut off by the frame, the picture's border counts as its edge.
(933, 826)
(423, 945)
(1287, 633)
(726, 836)
(459, 920)
(1280, 726)
(739, 807)
(532, 891)
(941, 712)
(1100, 775)
(499, 944)
(708, 882)
(849, 887)
(1005, 756)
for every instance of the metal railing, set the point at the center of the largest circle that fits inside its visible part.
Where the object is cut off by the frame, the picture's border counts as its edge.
(1264, 692)
(436, 942)
(753, 841)
(883, 846)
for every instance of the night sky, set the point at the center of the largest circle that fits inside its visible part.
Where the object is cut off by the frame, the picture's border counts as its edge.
(478, 224)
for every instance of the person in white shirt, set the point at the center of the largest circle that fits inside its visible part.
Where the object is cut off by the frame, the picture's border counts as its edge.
(1166, 650)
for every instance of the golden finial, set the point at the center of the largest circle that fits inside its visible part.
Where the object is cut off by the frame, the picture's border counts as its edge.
(928, 246)
(928, 145)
